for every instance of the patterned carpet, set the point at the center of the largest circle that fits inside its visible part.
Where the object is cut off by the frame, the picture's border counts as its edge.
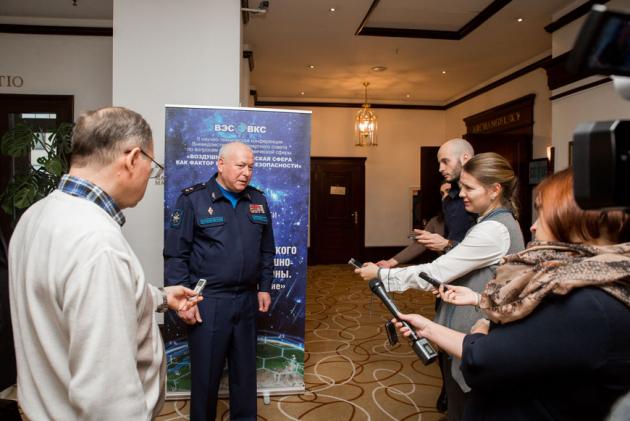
(351, 372)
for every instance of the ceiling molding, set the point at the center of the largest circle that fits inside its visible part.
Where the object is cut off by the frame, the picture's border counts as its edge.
(365, 18)
(56, 30)
(574, 14)
(581, 88)
(558, 74)
(470, 26)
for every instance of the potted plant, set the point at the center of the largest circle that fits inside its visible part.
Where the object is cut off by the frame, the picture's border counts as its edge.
(27, 187)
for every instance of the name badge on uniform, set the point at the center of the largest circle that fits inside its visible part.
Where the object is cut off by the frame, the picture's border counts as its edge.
(255, 208)
(259, 219)
(176, 218)
(214, 220)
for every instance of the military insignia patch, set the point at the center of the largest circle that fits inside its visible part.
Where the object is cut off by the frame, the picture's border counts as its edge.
(210, 210)
(176, 218)
(255, 208)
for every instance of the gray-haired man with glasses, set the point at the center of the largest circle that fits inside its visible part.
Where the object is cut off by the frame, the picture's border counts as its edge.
(83, 314)
(156, 168)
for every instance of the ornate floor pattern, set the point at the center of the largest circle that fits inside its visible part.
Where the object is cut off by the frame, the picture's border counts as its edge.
(351, 372)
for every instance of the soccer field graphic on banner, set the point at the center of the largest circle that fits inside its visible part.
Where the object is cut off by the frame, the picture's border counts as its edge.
(280, 141)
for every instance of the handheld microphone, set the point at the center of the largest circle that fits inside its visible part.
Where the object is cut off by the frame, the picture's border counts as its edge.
(420, 345)
(432, 281)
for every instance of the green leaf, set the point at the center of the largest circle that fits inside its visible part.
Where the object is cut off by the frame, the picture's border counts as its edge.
(37, 182)
(61, 138)
(54, 166)
(7, 206)
(18, 141)
(25, 197)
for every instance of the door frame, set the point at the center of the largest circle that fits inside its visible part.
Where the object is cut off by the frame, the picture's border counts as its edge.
(515, 117)
(62, 105)
(314, 233)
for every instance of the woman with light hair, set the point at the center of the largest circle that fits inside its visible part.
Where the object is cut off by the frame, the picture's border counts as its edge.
(489, 189)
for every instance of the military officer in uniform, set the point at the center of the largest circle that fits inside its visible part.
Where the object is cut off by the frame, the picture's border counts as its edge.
(221, 231)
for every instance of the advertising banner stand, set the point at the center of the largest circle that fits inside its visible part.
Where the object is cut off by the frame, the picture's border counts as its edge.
(280, 140)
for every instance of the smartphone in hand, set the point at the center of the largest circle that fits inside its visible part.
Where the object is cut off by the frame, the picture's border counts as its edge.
(198, 288)
(354, 262)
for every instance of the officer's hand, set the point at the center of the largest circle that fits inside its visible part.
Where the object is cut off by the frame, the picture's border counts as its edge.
(191, 316)
(264, 301)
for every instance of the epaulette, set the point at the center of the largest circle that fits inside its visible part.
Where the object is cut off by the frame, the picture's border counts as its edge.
(191, 189)
(255, 189)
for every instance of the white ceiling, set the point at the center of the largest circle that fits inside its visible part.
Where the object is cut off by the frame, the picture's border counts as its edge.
(296, 33)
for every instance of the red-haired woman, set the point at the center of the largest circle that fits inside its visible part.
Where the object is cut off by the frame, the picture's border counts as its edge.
(557, 342)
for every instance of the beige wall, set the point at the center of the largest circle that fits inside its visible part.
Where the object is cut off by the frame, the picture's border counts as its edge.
(159, 60)
(391, 168)
(60, 65)
(534, 82)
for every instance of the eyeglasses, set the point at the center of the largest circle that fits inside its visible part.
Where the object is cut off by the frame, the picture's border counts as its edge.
(156, 168)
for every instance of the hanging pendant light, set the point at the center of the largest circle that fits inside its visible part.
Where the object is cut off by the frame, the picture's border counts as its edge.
(365, 124)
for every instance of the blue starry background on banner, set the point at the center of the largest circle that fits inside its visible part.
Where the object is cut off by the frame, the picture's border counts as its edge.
(281, 144)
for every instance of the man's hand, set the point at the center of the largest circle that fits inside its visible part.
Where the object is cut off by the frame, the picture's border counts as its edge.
(191, 316)
(184, 301)
(368, 271)
(264, 301)
(181, 298)
(387, 263)
(431, 241)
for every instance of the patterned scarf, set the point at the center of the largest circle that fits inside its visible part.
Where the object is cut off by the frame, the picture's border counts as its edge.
(524, 279)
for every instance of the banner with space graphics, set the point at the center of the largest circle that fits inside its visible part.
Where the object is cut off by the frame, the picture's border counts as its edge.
(281, 142)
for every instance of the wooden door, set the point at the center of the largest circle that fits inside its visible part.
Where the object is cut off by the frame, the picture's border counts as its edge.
(517, 149)
(337, 224)
(39, 111)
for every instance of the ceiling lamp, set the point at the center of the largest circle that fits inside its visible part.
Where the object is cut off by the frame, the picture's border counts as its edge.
(365, 124)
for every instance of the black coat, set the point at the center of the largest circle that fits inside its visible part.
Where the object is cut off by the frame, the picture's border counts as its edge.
(568, 360)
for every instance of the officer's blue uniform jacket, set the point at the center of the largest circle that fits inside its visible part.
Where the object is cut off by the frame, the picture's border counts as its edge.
(232, 248)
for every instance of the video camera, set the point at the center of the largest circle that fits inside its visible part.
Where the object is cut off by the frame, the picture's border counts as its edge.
(601, 150)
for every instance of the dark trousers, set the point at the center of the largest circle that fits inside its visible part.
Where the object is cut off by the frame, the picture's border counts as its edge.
(456, 398)
(227, 330)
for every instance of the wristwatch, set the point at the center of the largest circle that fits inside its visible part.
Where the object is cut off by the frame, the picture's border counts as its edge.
(164, 305)
(449, 246)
